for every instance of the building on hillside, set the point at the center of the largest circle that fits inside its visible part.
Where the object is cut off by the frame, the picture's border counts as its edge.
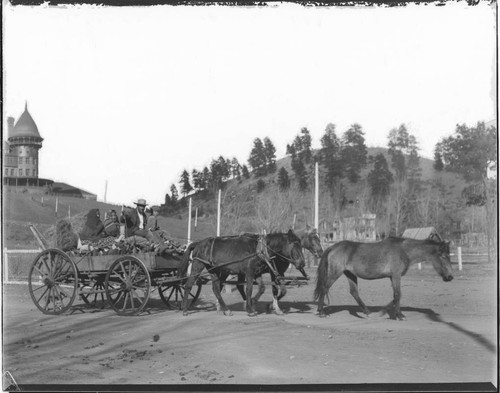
(21, 161)
(64, 189)
(360, 229)
(422, 234)
(20, 153)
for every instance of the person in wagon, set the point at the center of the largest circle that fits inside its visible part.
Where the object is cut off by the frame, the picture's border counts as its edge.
(154, 226)
(93, 227)
(111, 224)
(136, 221)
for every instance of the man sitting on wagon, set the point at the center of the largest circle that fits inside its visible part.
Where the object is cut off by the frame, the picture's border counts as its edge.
(135, 221)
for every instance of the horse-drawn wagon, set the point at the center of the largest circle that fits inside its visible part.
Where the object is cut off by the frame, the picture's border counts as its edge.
(126, 281)
(56, 279)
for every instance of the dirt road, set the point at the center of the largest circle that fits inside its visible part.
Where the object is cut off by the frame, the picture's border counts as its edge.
(450, 335)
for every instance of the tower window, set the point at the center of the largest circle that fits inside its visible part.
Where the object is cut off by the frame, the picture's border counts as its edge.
(6, 171)
(28, 172)
(20, 160)
(12, 171)
(20, 172)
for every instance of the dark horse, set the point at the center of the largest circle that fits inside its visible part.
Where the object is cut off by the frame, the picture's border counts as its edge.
(239, 255)
(309, 239)
(389, 258)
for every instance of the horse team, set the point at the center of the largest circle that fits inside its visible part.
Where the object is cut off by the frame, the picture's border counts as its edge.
(249, 256)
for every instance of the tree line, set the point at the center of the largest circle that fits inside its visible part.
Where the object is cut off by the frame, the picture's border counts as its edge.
(393, 186)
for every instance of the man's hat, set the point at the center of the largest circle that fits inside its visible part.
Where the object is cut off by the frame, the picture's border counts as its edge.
(141, 202)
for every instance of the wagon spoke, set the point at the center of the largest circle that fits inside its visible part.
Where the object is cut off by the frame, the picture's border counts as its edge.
(119, 276)
(125, 274)
(47, 300)
(125, 302)
(64, 291)
(60, 269)
(39, 271)
(44, 261)
(46, 289)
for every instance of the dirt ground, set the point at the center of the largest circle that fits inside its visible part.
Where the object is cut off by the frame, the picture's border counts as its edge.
(450, 335)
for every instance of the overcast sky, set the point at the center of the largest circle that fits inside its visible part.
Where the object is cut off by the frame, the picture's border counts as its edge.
(134, 95)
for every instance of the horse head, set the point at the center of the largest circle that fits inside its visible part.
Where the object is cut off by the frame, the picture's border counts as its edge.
(310, 241)
(293, 250)
(441, 261)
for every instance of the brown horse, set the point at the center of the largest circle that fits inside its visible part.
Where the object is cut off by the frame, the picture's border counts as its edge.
(222, 256)
(389, 258)
(309, 239)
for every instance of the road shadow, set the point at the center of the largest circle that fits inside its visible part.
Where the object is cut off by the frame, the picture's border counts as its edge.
(429, 314)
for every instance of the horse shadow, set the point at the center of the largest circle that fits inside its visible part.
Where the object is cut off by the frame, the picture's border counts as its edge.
(429, 314)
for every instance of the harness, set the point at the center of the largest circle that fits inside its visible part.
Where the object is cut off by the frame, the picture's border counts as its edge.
(261, 252)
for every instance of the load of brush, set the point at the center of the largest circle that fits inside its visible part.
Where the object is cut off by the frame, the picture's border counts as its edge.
(65, 236)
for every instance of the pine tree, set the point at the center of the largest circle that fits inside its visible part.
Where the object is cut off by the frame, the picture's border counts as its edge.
(257, 159)
(174, 198)
(283, 179)
(330, 157)
(245, 172)
(380, 177)
(186, 187)
(270, 153)
(438, 159)
(354, 152)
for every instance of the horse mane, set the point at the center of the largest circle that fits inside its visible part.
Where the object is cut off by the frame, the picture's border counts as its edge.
(424, 241)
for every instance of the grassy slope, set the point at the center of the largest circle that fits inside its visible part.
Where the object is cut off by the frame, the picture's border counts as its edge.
(21, 209)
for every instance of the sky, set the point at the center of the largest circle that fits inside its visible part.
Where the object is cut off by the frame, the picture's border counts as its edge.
(135, 95)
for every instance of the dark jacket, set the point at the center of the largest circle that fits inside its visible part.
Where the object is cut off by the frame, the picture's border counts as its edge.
(132, 221)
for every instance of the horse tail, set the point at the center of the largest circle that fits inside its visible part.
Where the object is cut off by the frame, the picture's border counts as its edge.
(186, 259)
(321, 289)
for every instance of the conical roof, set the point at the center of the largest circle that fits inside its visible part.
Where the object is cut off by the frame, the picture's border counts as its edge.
(25, 126)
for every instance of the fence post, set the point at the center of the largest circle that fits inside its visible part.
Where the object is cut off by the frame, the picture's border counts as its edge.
(6, 266)
(459, 252)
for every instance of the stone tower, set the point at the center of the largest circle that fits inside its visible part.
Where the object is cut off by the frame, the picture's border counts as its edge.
(24, 142)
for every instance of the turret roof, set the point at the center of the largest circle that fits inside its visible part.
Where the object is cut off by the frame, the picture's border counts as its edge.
(25, 126)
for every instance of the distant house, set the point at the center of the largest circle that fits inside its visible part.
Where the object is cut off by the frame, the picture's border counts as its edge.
(360, 228)
(422, 234)
(64, 189)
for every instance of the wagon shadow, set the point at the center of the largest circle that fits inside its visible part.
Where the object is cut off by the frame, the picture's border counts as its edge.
(429, 314)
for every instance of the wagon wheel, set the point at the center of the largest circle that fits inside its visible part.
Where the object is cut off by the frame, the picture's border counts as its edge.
(91, 298)
(127, 285)
(53, 281)
(173, 293)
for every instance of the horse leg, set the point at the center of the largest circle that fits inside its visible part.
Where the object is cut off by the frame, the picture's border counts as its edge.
(216, 287)
(278, 293)
(336, 273)
(261, 290)
(353, 289)
(396, 288)
(240, 287)
(195, 270)
(249, 302)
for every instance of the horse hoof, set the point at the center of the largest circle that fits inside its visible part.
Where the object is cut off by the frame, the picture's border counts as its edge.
(279, 312)
(252, 314)
(228, 313)
(185, 314)
(322, 315)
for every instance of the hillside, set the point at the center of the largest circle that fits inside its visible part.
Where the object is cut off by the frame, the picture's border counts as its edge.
(451, 183)
(20, 209)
